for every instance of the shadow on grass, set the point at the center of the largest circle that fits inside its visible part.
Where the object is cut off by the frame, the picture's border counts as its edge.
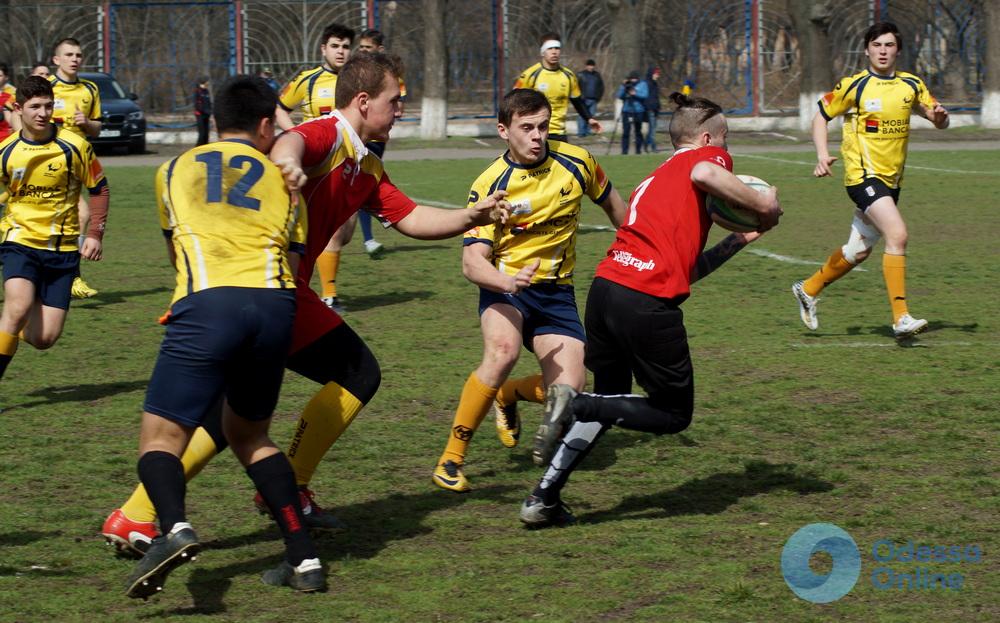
(714, 494)
(79, 393)
(363, 302)
(372, 526)
(604, 454)
(932, 326)
(114, 297)
(13, 539)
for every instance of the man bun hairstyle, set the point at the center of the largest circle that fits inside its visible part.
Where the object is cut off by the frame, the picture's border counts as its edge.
(883, 28)
(692, 113)
(241, 102)
(365, 73)
(521, 102)
(33, 86)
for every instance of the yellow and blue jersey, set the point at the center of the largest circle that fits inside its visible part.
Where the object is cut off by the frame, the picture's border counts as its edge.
(44, 180)
(558, 86)
(230, 218)
(545, 200)
(70, 97)
(876, 113)
(312, 92)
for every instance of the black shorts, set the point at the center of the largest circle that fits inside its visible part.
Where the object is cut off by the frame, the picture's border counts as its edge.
(52, 272)
(222, 341)
(545, 309)
(870, 191)
(632, 333)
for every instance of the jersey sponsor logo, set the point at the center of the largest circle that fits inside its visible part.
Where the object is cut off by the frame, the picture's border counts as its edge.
(871, 126)
(630, 261)
(536, 173)
(18, 173)
(895, 126)
(34, 190)
(521, 206)
(59, 103)
(543, 87)
(325, 93)
(873, 105)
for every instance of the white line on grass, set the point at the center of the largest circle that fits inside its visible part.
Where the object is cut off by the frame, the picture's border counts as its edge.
(888, 344)
(909, 166)
(788, 259)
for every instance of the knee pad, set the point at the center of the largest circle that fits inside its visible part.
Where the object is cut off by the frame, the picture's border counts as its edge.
(863, 238)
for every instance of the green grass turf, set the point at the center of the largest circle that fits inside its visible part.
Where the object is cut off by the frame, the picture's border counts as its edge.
(791, 427)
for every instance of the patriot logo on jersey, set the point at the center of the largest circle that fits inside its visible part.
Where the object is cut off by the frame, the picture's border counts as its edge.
(871, 125)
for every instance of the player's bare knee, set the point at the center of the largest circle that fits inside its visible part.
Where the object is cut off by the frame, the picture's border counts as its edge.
(41, 342)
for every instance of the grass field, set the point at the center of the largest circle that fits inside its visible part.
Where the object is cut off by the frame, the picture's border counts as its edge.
(841, 425)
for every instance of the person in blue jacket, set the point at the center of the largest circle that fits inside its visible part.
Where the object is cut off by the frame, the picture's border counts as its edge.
(633, 93)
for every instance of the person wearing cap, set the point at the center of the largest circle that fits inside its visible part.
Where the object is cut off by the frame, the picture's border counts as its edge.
(592, 90)
(268, 76)
(633, 93)
(558, 84)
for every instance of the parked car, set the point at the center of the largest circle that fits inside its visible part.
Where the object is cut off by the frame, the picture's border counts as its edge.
(124, 124)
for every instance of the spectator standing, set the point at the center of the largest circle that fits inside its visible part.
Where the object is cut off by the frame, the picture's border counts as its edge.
(633, 93)
(652, 104)
(591, 90)
(202, 109)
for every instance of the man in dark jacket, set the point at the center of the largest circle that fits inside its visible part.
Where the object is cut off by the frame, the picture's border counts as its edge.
(652, 104)
(202, 109)
(591, 90)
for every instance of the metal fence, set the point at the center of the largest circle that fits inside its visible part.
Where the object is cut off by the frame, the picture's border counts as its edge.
(743, 53)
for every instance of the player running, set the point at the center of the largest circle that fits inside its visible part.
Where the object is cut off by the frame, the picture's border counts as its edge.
(633, 316)
(876, 104)
(44, 168)
(328, 164)
(524, 270)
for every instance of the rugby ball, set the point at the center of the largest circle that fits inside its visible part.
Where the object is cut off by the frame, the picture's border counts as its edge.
(734, 217)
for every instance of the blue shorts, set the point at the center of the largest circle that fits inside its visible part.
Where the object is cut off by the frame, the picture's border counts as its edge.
(546, 309)
(52, 272)
(222, 341)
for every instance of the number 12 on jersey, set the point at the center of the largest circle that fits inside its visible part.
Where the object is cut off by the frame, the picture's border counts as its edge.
(237, 195)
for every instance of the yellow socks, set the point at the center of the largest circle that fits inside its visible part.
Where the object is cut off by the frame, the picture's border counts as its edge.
(834, 268)
(325, 418)
(894, 272)
(327, 263)
(528, 388)
(199, 452)
(477, 398)
(8, 346)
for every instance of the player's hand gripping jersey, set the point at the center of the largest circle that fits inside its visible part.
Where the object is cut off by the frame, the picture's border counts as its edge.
(665, 229)
(44, 181)
(70, 97)
(545, 210)
(557, 85)
(227, 210)
(312, 92)
(876, 113)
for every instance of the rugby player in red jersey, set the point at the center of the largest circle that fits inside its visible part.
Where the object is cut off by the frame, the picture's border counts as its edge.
(633, 319)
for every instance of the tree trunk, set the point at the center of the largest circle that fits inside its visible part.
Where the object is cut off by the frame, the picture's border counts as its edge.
(990, 28)
(812, 23)
(434, 104)
(626, 39)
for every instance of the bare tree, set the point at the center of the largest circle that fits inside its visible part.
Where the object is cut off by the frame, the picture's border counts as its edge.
(434, 104)
(991, 77)
(626, 34)
(812, 22)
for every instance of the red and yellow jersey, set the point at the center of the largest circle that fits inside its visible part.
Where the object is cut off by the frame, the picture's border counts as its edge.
(70, 97)
(344, 176)
(312, 92)
(665, 229)
(227, 211)
(876, 112)
(558, 86)
(44, 180)
(545, 200)
(7, 95)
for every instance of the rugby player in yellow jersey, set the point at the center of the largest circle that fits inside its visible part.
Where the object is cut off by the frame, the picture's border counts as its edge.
(44, 167)
(524, 270)
(558, 84)
(312, 91)
(235, 236)
(77, 109)
(876, 104)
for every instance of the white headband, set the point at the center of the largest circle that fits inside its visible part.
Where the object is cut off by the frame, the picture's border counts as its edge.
(551, 43)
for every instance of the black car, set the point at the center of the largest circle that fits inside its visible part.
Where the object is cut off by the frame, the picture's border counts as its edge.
(124, 124)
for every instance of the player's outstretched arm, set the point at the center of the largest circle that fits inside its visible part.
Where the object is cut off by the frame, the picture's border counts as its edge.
(478, 269)
(427, 223)
(717, 181)
(614, 206)
(938, 115)
(821, 141)
(719, 254)
(287, 153)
